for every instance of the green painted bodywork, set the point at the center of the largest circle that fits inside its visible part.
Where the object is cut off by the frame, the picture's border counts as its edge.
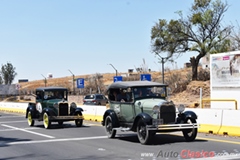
(128, 111)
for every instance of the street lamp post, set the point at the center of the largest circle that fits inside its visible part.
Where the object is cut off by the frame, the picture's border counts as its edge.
(72, 81)
(114, 68)
(45, 80)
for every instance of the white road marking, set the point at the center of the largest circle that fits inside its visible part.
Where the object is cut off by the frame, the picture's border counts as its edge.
(24, 130)
(32, 128)
(57, 140)
(12, 122)
(1, 117)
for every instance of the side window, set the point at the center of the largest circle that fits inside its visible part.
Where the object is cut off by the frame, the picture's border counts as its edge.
(112, 95)
(98, 97)
(38, 95)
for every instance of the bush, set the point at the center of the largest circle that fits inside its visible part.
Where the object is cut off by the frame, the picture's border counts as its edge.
(204, 75)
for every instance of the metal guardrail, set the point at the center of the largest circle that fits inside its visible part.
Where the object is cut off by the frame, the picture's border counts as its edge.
(220, 100)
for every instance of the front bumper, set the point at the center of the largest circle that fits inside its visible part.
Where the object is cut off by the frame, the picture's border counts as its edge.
(65, 118)
(173, 126)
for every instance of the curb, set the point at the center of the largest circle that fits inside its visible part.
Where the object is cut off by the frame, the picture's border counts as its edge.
(219, 130)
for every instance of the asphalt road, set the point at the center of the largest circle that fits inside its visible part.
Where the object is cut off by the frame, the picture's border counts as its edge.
(19, 141)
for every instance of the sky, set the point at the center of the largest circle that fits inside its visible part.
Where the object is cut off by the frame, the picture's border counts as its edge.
(85, 36)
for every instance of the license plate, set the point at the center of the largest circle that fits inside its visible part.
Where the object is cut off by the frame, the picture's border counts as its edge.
(157, 122)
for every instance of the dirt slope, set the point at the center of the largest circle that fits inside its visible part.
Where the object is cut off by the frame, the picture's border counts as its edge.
(190, 96)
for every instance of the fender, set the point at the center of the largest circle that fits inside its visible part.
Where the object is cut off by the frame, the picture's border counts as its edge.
(145, 117)
(31, 107)
(113, 116)
(187, 114)
(49, 111)
(78, 110)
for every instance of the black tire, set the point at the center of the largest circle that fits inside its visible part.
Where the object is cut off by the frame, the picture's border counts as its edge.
(190, 134)
(109, 127)
(144, 136)
(46, 121)
(30, 120)
(79, 122)
(60, 123)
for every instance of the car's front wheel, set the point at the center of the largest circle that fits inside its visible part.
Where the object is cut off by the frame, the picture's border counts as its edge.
(46, 121)
(79, 122)
(109, 127)
(144, 135)
(190, 134)
(30, 120)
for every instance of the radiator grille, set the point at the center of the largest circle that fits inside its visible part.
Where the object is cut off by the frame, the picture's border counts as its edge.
(63, 109)
(168, 113)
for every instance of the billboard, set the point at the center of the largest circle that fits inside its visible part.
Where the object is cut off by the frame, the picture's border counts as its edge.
(225, 69)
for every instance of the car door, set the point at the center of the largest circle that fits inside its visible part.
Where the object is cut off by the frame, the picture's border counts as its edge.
(101, 99)
(126, 112)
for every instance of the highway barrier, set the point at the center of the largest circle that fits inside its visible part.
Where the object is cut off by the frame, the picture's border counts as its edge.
(214, 121)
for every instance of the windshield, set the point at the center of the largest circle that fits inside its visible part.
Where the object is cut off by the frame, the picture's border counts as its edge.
(58, 94)
(143, 92)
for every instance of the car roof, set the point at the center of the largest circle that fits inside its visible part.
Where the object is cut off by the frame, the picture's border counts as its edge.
(50, 88)
(128, 84)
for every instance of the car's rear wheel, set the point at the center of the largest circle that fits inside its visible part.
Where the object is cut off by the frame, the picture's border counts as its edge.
(144, 136)
(79, 122)
(46, 121)
(190, 134)
(109, 127)
(30, 120)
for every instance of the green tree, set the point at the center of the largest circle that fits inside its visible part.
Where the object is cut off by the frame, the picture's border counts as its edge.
(200, 31)
(235, 38)
(1, 81)
(8, 73)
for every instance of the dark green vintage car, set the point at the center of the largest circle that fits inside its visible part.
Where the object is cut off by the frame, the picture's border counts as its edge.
(52, 106)
(142, 107)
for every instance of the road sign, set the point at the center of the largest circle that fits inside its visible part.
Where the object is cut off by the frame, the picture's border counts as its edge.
(146, 77)
(117, 78)
(80, 83)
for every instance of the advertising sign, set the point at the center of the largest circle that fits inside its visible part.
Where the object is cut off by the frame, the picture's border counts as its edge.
(225, 70)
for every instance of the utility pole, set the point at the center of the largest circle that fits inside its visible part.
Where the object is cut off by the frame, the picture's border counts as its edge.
(163, 60)
(45, 80)
(72, 81)
(114, 68)
(163, 69)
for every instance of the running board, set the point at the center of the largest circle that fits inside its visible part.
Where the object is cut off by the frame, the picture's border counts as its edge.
(122, 129)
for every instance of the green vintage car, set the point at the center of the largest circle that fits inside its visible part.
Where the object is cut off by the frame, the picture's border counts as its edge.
(52, 106)
(142, 107)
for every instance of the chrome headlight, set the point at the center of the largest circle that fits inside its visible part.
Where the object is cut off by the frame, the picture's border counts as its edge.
(156, 109)
(181, 108)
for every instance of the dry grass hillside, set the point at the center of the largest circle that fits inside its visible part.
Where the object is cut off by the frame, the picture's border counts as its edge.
(185, 91)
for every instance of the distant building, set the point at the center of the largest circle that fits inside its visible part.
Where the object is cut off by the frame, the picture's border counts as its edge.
(22, 80)
(205, 61)
(187, 65)
(50, 75)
